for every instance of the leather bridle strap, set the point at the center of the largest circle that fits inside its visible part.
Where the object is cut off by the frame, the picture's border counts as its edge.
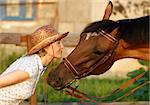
(77, 94)
(70, 66)
(83, 97)
(108, 36)
(128, 82)
(132, 91)
(44, 80)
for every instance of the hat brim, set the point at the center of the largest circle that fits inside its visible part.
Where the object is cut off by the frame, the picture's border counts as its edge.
(46, 42)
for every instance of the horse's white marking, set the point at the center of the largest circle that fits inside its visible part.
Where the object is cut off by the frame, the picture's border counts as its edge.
(88, 35)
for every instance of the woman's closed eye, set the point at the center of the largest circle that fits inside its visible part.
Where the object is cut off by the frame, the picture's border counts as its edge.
(58, 42)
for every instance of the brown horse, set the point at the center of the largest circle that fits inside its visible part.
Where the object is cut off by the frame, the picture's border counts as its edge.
(101, 44)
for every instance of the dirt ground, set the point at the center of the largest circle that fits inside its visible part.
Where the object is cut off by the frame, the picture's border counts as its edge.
(75, 103)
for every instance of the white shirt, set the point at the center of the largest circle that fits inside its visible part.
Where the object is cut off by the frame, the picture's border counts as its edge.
(14, 94)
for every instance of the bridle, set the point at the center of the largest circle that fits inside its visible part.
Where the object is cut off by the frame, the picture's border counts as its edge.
(70, 66)
(102, 60)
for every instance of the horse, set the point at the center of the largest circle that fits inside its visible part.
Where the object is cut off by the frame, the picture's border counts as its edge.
(101, 44)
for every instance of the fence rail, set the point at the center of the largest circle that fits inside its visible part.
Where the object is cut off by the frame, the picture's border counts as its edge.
(20, 39)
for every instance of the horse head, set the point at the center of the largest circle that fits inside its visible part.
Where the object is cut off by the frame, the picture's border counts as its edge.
(94, 54)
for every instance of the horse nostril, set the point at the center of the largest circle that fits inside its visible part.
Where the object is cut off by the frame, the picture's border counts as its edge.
(58, 81)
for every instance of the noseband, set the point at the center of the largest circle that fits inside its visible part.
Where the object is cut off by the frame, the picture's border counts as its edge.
(71, 67)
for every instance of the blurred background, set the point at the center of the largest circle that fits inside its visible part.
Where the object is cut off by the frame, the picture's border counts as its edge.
(22, 17)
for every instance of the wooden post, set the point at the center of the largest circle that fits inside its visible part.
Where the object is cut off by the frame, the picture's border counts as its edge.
(33, 99)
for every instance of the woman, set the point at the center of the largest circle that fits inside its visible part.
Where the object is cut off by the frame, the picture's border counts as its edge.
(19, 80)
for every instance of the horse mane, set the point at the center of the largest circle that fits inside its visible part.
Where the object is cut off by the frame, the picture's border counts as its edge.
(106, 25)
(135, 31)
(131, 30)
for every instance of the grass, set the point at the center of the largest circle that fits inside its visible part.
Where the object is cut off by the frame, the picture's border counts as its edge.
(8, 54)
(93, 87)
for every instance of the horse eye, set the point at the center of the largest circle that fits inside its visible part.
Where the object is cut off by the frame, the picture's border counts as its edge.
(97, 52)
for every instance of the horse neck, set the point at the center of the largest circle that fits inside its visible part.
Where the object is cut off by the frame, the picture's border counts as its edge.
(134, 39)
(135, 31)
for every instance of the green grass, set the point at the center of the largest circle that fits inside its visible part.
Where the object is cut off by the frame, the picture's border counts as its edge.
(7, 56)
(93, 87)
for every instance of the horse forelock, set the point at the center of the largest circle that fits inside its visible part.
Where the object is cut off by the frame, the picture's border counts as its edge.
(88, 35)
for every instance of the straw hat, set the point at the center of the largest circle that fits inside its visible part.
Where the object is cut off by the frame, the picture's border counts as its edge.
(43, 37)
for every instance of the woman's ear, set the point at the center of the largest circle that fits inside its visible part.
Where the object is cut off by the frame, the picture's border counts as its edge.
(49, 50)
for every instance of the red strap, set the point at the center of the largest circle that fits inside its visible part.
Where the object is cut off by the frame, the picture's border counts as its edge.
(132, 91)
(75, 90)
(128, 83)
(84, 96)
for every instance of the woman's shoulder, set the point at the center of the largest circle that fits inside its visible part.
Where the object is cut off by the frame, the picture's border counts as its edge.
(23, 61)
(27, 58)
(30, 64)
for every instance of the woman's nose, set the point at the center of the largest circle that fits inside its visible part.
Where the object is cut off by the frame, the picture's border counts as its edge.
(61, 45)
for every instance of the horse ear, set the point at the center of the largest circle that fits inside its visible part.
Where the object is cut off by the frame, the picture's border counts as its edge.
(108, 11)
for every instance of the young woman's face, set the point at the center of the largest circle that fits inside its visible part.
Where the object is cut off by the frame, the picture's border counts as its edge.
(57, 48)
(54, 51)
